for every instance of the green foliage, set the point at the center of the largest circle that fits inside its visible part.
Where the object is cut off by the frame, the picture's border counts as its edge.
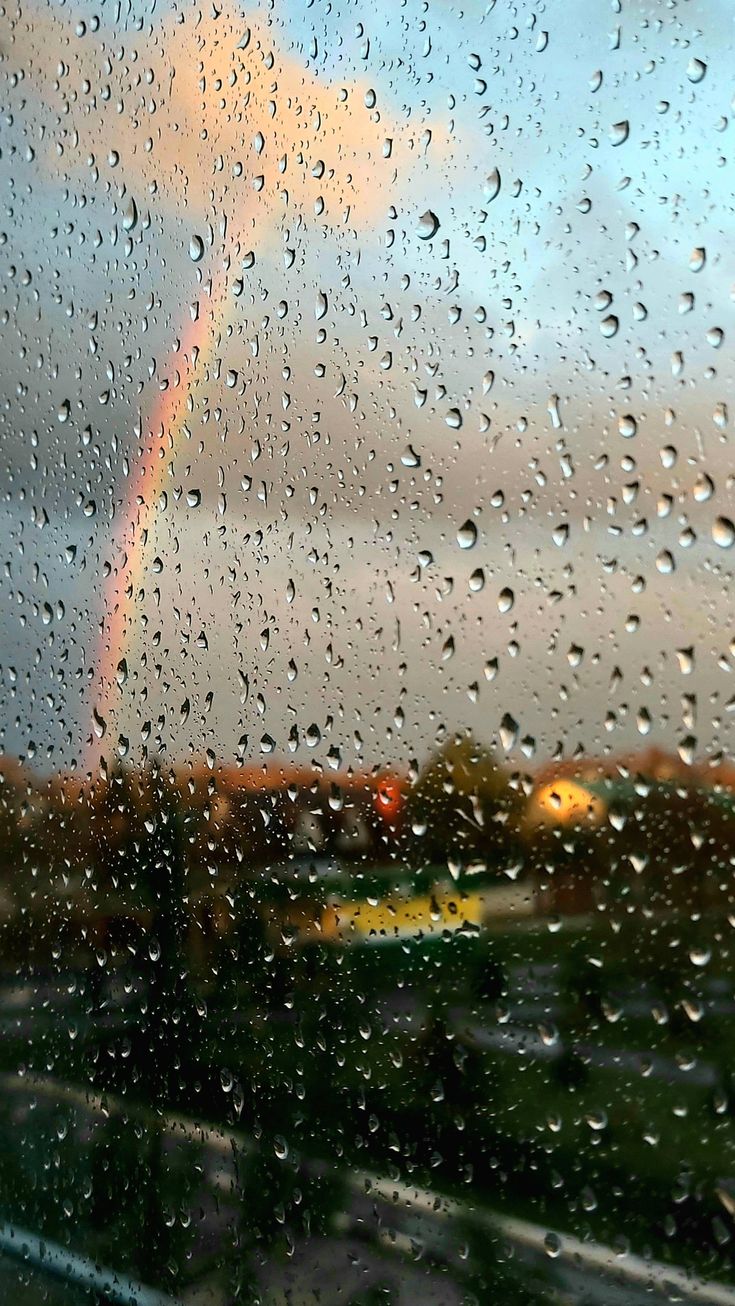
(283, 1199)
(463, 808)
(492, 1275)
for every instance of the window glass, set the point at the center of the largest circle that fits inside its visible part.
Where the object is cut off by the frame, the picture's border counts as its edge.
(366, 658)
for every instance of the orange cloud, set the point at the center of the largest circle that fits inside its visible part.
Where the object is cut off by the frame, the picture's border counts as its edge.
(207, 115)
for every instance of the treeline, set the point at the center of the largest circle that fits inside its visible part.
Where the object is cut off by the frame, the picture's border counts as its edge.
(463, 812)
(225, 819)
(461, 809)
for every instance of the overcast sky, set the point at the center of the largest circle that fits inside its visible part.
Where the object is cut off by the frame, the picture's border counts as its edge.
(451, 263)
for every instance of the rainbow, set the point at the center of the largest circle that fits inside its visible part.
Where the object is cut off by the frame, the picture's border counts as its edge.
(135, 529)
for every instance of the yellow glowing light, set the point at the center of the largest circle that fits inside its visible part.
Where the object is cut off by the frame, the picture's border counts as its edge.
(398, 918)
(566, 802)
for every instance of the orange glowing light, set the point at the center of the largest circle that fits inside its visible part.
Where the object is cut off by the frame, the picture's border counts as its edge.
(388, 799)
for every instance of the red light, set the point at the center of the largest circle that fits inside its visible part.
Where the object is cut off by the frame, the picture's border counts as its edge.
(388, 799)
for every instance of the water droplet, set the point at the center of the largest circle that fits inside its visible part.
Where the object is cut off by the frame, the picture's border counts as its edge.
(321, 306)
(609, 326)
(506, 599)
(193, 498)
(549, 1035)
(643, 721)
(492, 185)
(597, 1120)
(454, 419)
(467, 535)
(477, 580)
(665, 562)
(280, 1147)
(508, 732)
(697, 259)
(619, 132)
(627, 426)
(130, 216)
(410, 458)
(723, 532)
(428, 225)
(63, 412)
(696, 70)
(552, 1244)
(704, 488)
(686, 660)
(196, 249)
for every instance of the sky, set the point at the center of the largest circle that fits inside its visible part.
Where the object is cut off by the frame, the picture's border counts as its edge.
(367, 376)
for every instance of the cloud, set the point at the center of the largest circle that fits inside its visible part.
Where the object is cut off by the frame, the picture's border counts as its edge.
(210, 117)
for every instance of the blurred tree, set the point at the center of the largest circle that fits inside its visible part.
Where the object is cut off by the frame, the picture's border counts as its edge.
(463, 808)
(17, 828)
(124, 806)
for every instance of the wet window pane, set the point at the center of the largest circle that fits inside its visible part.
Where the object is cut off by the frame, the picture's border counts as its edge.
(367, 810)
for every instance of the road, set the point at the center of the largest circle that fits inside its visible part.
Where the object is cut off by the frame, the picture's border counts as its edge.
(387, 1229)
(386, 1233)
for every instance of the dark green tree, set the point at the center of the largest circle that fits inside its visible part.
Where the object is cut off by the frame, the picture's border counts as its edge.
(463, 808)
